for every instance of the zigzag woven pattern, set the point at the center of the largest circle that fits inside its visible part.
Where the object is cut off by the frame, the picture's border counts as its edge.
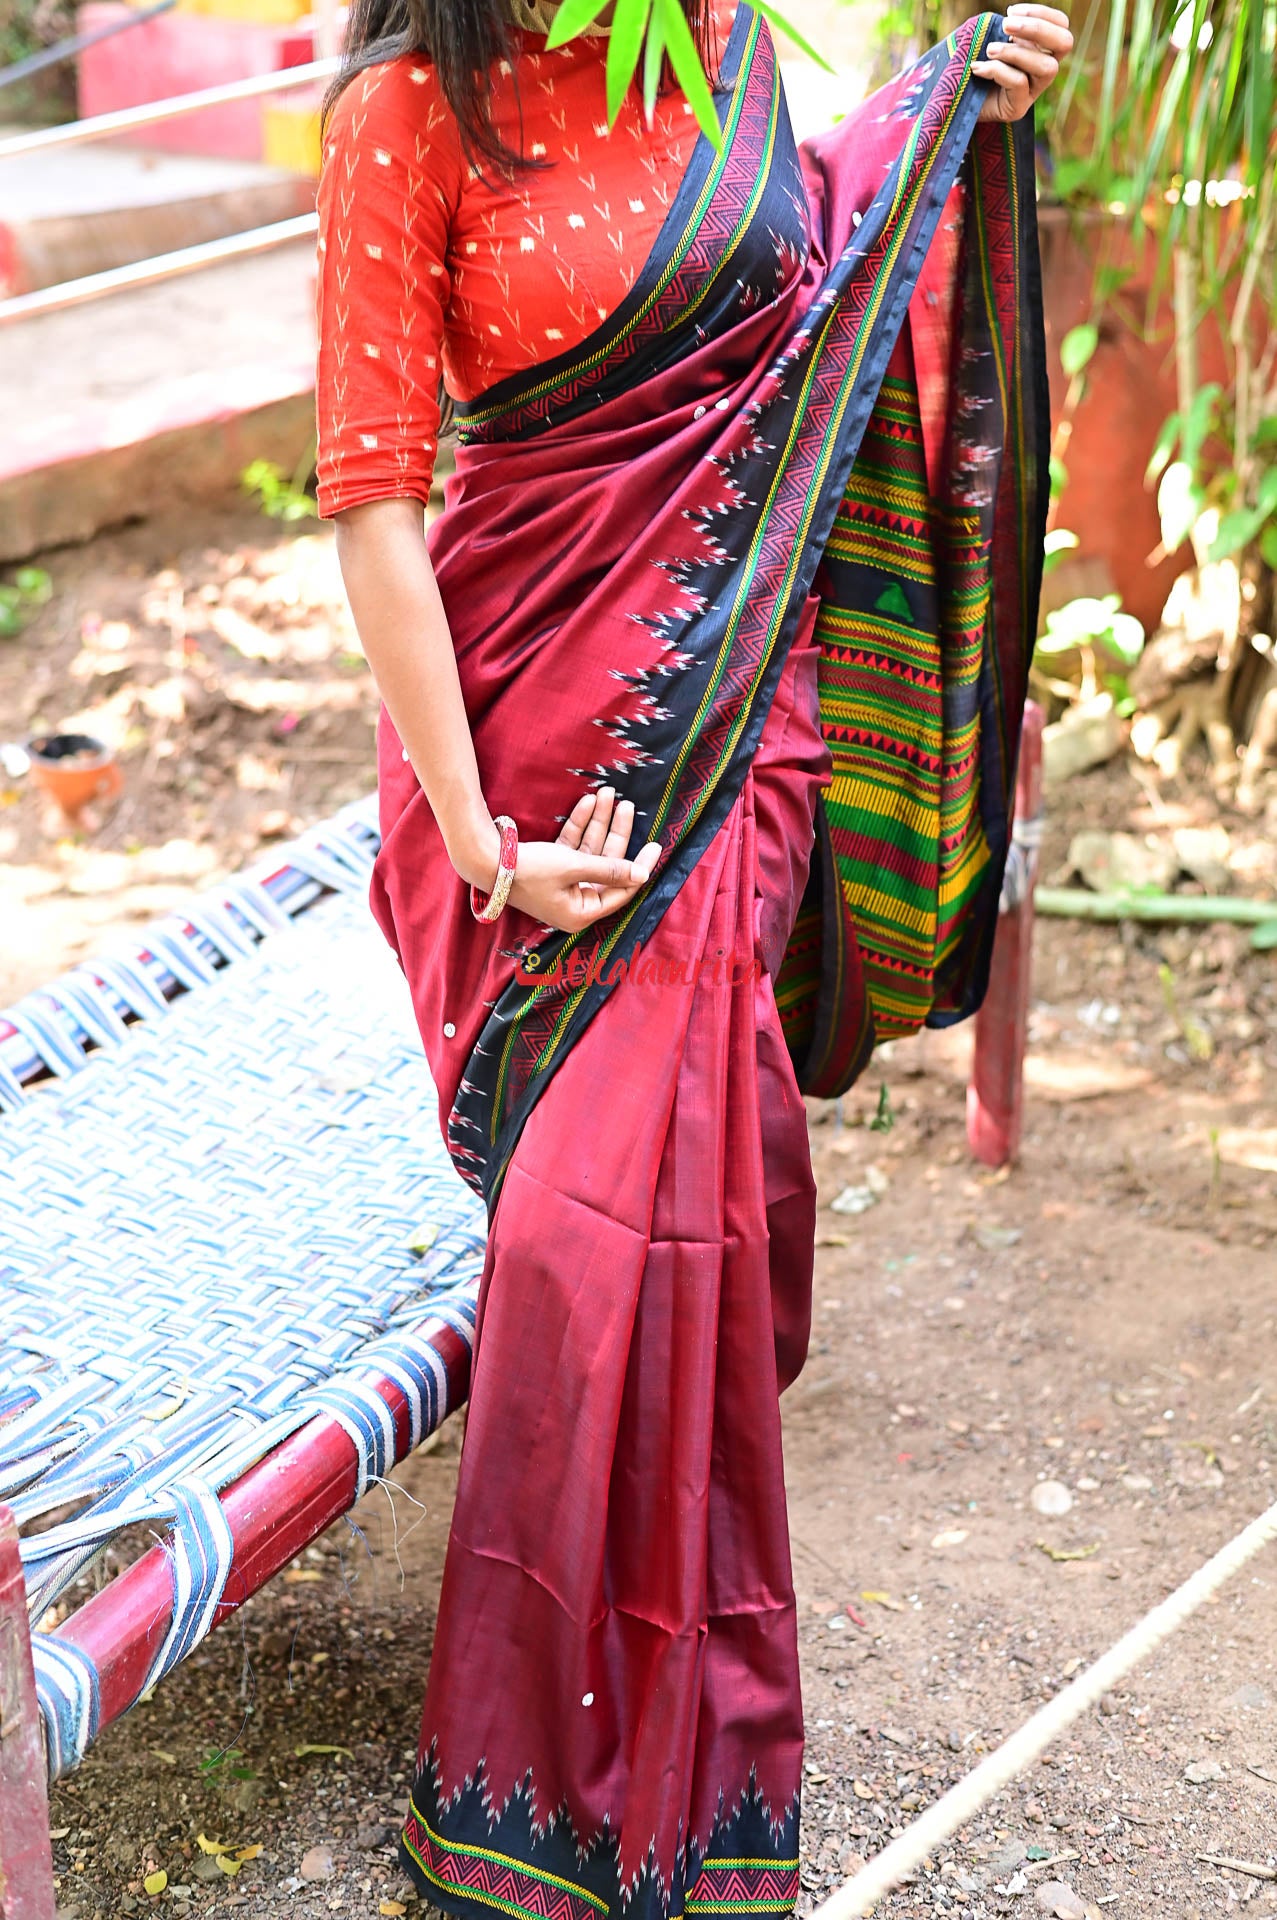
(206, 1241)
(744, 1886)
(500, 1881)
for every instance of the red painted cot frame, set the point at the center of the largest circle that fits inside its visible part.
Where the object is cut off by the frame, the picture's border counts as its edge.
(277, 1508)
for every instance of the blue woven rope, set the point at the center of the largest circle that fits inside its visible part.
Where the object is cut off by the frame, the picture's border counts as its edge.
(205, 1244)
(66, 1684)
(199, 1556)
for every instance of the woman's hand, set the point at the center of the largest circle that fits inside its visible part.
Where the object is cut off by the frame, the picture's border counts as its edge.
(585, 874)
(1023, 65)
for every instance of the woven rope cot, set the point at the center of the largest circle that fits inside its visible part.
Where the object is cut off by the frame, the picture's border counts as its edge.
(238, 1273)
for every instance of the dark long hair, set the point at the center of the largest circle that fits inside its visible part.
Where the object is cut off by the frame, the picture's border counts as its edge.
(463, 38)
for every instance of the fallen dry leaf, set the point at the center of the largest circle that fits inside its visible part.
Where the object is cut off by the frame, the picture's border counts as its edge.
(156, 1882)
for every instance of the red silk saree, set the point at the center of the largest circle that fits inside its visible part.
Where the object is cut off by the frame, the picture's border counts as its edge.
(764, 554)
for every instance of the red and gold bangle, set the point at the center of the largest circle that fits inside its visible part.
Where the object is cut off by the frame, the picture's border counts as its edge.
(490, 906)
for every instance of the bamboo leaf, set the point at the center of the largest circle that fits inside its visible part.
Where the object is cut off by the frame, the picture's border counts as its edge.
(1165, 447)
(1077, 348)
(1201, 418)
(688, 71)
(653, 64)
(572, 18)
(625, 43)
(1179, 502)
(1236, 530)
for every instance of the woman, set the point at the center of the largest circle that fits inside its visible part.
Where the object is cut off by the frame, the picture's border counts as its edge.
(706, 685)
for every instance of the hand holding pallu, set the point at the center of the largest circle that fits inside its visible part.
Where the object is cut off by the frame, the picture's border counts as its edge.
(1023, 68)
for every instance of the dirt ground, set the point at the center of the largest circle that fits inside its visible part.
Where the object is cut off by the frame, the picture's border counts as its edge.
(1103, 1318)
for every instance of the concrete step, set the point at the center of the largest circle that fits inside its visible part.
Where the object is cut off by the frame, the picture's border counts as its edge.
(81, 209)
(129, 403)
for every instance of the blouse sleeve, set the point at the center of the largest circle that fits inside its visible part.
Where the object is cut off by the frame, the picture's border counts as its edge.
(389, 186)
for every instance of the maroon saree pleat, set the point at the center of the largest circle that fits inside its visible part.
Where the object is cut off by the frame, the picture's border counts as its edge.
(616, 1657)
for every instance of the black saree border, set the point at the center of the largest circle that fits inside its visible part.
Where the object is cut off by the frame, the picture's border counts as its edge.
(1020, 517)
(824, 384)
(476, 1860)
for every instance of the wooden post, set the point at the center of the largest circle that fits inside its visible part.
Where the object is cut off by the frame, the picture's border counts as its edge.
(995, 1097)
(26, 1859)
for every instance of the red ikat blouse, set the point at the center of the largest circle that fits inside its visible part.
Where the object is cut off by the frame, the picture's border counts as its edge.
(430, 265)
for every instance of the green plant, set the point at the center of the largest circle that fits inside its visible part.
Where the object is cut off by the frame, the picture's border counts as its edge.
(225, 1763)
(280, 496)
(30, 588)
(1103, 641)
(656, 31)
(1168, 115)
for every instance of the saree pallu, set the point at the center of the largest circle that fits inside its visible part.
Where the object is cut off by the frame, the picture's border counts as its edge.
(763, 553)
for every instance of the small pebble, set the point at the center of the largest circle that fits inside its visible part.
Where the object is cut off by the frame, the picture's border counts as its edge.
(1052, 1499)
(1109, 1704)
(317, 1864)
(1199, 1772)
(1059, 1900)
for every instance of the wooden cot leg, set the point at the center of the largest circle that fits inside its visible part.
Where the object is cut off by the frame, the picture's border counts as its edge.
(26, 1860)
(995, 1097)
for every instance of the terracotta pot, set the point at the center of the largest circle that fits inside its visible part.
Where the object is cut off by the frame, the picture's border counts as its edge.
(74, 769)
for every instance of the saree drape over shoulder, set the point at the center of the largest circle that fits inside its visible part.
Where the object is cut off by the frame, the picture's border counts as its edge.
(763, 554)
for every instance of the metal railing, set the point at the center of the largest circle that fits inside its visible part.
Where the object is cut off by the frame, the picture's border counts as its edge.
(161, 266)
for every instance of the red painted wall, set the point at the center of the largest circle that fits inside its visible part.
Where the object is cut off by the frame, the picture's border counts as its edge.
(180, 53)
(1130, 391)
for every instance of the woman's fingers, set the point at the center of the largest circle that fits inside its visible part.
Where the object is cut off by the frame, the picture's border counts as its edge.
(610, 874)
(617, 842)
(1027, 12)
(1031, 61)
(601, 819)
(1014, 96)
(572, 832)
(1023, 65)
(1057, 41)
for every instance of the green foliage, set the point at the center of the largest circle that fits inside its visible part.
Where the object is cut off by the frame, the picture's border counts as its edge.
(30, 588)
(279, 497)
(1087, 623)
(1077, 349)
(1167, 111)
(652, 32)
